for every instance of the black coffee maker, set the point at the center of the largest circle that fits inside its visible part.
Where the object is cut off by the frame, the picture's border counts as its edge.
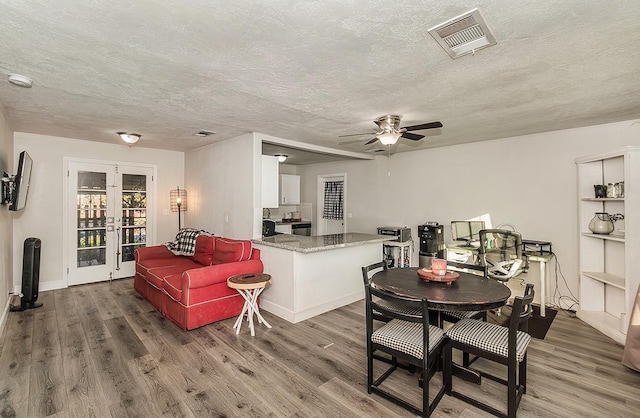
(268, 227)
(431, 236)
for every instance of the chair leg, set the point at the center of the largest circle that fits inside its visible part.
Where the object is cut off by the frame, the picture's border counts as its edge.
(448, 368)
(369, 369)
(522, 374)
(512, 388)
(425, 392)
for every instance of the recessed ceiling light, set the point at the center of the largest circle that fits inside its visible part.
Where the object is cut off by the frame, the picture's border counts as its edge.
(20, 80)
(203, 134)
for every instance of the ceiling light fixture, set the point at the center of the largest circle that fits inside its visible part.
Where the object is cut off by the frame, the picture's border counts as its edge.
(129, 138)
(281, 157)
(389, 138)
(20, 80)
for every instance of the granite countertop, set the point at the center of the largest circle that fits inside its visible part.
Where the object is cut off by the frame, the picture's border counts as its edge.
(315, 243)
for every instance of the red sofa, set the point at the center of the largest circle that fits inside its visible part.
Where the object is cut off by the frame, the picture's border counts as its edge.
(192, 290)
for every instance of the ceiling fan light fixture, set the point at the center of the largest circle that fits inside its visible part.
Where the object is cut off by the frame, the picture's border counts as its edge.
(389, 138)
(129, 138)
(281, 157)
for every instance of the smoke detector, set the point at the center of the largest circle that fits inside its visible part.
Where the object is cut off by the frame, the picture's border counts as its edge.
(464, 34)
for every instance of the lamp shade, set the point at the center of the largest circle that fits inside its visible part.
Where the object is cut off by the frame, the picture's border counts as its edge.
(389, 138)
(178, 200)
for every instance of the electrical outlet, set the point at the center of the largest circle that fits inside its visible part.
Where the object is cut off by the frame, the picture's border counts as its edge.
(166, 212)
(226, 219)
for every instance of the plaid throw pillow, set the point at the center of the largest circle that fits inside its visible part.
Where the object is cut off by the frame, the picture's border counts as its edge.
(185, 243)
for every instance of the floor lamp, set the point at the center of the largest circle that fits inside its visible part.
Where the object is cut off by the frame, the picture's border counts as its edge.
(178, 203)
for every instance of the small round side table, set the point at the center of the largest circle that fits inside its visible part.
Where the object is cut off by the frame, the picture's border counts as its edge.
(249, 286)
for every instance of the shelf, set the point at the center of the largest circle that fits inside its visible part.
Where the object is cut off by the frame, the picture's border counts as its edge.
(610, 279)
(398, 244)
(610, 237)
(605, 323)
(602, 199)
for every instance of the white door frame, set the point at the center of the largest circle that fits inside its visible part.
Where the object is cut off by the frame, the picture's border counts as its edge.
(321, 224)
(151, 204)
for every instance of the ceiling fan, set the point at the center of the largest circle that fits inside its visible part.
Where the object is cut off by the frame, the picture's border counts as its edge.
(389, 130)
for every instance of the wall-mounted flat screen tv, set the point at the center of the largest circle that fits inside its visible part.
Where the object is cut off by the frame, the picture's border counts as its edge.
(21, 182)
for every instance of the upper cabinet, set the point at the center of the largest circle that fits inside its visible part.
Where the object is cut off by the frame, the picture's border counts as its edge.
(609, 262)
(289, 189)
(270, 169)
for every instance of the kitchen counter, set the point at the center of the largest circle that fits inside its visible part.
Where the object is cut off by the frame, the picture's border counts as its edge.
(283, 222)
(321, 242)
(313, 275)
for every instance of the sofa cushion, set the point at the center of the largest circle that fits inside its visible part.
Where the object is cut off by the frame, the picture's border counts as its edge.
(230, 250)
(185, 243)
(172, 285)
(144, 267)
(157, 275)
(204, 249)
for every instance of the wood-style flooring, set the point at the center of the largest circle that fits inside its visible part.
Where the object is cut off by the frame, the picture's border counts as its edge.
(100, 350)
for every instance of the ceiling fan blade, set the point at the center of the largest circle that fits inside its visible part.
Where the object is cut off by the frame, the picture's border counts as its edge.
(344, 136)
(430, 125)
(371, 141)
(413, 137)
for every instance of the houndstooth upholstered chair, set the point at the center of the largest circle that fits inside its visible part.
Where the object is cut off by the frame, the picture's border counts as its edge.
(504, 345)
(406, 337)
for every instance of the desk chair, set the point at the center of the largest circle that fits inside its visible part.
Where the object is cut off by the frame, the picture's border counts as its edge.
(406, 337)
(500, 252)
(504, 345)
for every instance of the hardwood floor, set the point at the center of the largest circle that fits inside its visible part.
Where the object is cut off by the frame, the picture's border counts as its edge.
(100, 350)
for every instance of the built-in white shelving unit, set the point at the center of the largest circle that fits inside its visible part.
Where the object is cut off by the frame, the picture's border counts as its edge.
(609, 264)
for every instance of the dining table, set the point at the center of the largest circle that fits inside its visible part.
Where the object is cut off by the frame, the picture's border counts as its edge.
(468, 292)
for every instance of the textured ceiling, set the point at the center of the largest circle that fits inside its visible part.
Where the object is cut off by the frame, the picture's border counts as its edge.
(309, 71)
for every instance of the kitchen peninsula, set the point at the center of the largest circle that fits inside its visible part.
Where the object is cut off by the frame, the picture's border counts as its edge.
(313, 275)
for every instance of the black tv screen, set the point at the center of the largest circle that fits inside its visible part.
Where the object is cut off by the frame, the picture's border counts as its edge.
(21, 182)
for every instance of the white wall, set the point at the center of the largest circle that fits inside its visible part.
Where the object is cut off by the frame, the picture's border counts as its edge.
(6, 221)
(220, 180)
(529, 182)
(43, 217)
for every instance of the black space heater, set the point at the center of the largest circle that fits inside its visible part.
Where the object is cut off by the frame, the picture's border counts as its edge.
(30, 275)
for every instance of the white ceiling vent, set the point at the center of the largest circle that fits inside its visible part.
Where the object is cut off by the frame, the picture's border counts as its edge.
(463, 34)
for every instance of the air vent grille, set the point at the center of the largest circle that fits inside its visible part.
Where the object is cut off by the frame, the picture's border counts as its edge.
(463, 34)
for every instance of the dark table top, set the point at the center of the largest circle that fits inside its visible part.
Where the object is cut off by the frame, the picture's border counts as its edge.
(469, 293)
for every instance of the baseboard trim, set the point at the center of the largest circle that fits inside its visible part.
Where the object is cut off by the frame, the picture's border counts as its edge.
(301, 315)
(3, 318)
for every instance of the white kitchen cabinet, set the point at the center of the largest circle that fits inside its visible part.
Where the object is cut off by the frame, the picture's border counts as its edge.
(609, 264)
(283, 229)
(270, 169)
(289, 189)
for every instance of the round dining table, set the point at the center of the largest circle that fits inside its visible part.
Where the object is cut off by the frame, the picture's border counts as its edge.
(470, 292)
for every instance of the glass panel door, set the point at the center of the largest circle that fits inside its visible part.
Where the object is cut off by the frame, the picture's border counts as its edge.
(108, 220)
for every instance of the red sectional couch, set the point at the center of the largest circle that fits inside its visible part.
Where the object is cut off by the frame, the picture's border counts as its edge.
(192, 291)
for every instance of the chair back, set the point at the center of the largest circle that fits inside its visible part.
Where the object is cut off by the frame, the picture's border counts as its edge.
(521, 311)
(385, 302)
(371, 269)
(501, 253)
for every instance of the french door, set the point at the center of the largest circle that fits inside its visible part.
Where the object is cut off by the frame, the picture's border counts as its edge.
(108, 218)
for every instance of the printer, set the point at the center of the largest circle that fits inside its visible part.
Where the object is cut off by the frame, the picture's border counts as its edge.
(402, 233)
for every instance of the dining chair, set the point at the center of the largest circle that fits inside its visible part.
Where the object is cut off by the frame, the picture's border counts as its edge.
(407, 337)
(504, 345)
(398, 306)
(455, 316)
